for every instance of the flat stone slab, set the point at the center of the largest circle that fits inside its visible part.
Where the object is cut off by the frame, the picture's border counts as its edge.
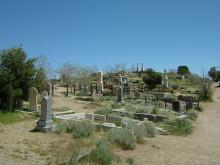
(63, 113)
(76, 116)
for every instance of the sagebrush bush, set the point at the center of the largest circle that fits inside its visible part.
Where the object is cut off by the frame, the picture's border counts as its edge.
(137, 129)
(182, 126)
(123, 137)
(102, 153)
(81, 128)
(104, 110)
(149, 129)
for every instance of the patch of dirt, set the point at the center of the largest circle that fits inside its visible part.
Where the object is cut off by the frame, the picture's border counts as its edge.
(61, 103)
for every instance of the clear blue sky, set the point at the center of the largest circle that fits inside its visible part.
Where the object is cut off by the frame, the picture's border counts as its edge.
(160, 33)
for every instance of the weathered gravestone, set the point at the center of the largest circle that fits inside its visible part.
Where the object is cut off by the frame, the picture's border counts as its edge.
(120, 94)
(99, 83)
(33, 93)
(45, 122)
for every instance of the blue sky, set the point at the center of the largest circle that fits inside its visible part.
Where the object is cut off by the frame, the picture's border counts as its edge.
(159, 33)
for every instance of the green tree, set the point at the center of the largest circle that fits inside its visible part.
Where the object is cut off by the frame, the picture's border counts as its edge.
(152, 78)
(17, 75)
(213, 73)
(183, 70)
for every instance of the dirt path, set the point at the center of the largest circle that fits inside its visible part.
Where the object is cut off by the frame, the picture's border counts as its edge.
(200, 148)
(60, 103)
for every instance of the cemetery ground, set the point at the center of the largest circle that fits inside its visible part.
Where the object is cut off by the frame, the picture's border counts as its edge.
(19, 145)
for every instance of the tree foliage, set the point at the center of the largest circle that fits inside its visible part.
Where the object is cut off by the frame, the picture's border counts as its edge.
(183, 70)
(152, 78)
(17, 75)
(214, 74)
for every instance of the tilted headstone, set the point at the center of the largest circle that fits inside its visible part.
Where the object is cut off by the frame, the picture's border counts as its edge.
(33, 93)
(120, 94)
(45, 122)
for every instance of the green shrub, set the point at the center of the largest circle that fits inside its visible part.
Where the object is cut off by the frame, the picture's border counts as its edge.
(123, 137)
(104, 110)
(149, 129)
(117, 105)
(136, 109)
(101, 153)
(155, 110)
(82, 128)
(17, 116)
(182, 127)
(137, 130)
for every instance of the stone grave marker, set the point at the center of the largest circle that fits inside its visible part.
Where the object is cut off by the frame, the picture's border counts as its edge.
(33, 93)
(45, 122)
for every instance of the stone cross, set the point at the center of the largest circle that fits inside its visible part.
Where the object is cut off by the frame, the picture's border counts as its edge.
(45, 122)
(33, 93)
(120, 94)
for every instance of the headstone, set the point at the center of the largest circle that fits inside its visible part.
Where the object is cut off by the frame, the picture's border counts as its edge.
(67, 90)
(53, 88)
(49, 88)
(176, 106)
(165, 82)
(120, 79)
(45, 122)
(33, 93)
(120, 94)
(99, 117)
(99, 83)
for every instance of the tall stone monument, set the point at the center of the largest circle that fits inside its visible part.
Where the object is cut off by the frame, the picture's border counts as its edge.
(33, 93)
(165, 82)
(99, 83)
(120, 94)
(45, 122)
